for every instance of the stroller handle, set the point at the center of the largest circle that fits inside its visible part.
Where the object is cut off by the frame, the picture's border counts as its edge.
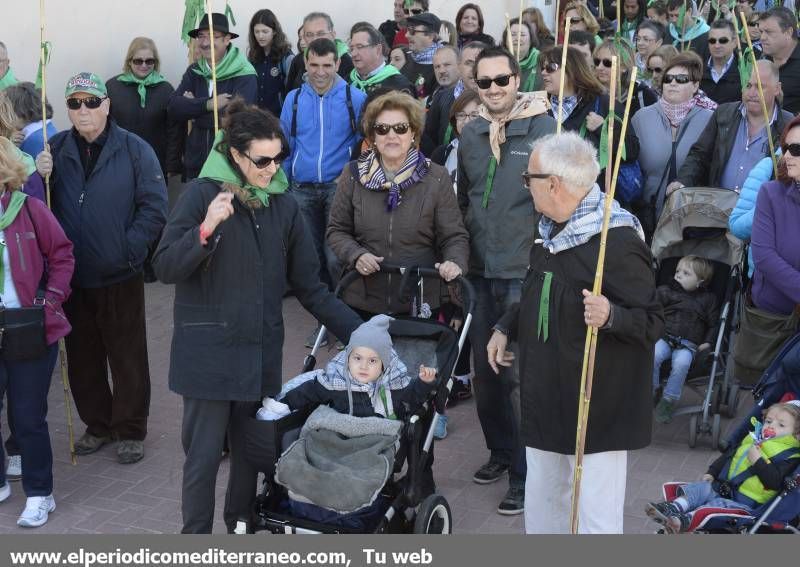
(406, 271)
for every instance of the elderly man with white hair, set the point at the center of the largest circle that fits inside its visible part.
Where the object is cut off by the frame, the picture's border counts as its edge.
(550, 324)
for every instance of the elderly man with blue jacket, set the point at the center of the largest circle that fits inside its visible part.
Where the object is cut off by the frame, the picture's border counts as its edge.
(109, 195)
(320, 120)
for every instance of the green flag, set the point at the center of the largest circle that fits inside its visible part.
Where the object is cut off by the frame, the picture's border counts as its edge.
(229, 14)
(191, 15)
(43, 62)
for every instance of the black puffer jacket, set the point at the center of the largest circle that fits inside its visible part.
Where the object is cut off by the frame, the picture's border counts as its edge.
(691, 316)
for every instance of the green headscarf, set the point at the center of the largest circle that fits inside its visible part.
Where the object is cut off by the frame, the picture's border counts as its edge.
(359, 83)
(234, 64)
(154, 78)
(218, 168)
(8, 80)
(8, 216)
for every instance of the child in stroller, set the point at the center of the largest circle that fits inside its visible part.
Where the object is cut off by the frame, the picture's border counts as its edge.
(690, 314)
(744, 477)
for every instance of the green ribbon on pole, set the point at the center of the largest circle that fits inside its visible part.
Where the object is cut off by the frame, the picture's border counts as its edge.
(47, 46)
(543, 324)
(745, 65)
(191, 16)
(229, 14)
(489, 181)
(602, 151)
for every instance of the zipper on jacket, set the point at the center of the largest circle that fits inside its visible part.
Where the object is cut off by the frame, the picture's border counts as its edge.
(80, 199)
(21, 255)
(389, 255)
(205, 324)
(321, 139)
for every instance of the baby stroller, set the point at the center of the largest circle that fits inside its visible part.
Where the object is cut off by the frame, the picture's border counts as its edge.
(407, 503)
(695, 221)
(782, 513)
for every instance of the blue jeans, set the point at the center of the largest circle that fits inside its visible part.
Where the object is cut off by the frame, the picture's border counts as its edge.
(497, 397)
(681, 361)
(315, 201)
(27, 384)
(699, 494)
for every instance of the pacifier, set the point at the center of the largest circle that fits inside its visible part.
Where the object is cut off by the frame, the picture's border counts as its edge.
(768, 433)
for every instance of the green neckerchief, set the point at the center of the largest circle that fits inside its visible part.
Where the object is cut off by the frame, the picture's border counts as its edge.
(27, 161)
(218, 168)
(8, 216)
(448, 135)
(8, 80)
(382, 393)
(234, 64)
(602, 151)
(543, 325)
(386, 72)
(489, 181)
(154, 78)
(530, 63)
(629, 26)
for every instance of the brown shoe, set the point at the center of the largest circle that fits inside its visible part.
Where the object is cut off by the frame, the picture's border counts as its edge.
(89, 444)
(130, 451)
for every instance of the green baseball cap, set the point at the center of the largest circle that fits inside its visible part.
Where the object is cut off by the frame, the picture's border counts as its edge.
(86, 83)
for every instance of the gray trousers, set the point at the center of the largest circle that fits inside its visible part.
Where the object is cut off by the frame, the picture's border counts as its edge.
(205, 425)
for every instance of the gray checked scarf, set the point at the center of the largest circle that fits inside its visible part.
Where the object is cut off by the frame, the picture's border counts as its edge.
(585, 222)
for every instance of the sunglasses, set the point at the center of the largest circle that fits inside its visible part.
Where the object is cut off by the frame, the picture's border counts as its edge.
(792, 149)
(263, 162)
(91, 102)
(383, 129)
(753, 23)
(501, 80)
(139, 62)
(606, 63)
(721, 41)
(413, 11)
(656, 70)
(575, 20)
(681, 79)
(551, 67)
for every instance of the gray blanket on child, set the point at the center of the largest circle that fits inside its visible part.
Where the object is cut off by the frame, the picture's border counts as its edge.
(339, 462)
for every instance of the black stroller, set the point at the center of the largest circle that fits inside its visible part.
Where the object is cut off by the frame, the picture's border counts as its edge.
(406, 504)
(695, 221)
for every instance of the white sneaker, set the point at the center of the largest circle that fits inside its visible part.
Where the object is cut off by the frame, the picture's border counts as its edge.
(5, 492)
(36, 510)
(14, 468)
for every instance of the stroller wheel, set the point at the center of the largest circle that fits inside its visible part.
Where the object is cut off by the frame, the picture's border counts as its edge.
(716, 429)
(732, 401)
(434, 516)
(693, 431)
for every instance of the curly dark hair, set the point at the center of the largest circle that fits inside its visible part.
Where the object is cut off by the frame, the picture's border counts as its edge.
(280, 45)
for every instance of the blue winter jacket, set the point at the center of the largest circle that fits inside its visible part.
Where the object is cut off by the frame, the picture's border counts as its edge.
(113, 216)
(325, 137)
(741, 219)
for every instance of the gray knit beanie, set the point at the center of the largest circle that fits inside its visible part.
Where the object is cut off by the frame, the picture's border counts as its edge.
(374, 334)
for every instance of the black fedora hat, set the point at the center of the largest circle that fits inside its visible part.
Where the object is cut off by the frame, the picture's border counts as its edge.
(220, 22)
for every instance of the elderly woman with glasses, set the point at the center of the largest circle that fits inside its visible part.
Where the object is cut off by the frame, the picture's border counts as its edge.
(393, 204)
(140, 96)
(649, 37)
(666, 132)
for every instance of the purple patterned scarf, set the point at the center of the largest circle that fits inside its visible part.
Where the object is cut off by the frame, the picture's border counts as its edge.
(372, 176)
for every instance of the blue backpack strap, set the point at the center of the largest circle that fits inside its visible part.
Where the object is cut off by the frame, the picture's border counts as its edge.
(350, 110)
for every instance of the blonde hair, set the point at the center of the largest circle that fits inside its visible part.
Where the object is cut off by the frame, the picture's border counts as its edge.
(8, 118)
(791, 409)
(141, 43)
(701, 267)
(394, 100)
(12, 173)
(588, 18)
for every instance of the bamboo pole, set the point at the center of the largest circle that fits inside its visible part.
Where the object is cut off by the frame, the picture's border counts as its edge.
(590, 348)
(519, 30)
(213, 66)
(509, 41)
(738, 39)
(564, 48)
(62, 349)
(761, 95)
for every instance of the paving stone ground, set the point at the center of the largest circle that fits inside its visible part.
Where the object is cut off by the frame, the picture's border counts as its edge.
(98, 495)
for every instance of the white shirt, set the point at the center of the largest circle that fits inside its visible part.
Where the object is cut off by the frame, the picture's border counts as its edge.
(9, 296)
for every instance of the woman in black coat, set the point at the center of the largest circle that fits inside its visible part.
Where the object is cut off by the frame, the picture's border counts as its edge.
(231, 244)
(139, 98)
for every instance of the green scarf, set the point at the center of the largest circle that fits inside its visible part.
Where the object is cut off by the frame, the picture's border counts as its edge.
(26, 160)
(8, 216)
(8, 80)
(218, 168)
(602, 151)
(154, 78)
(234, 64)
(531, 64)
(379, 77)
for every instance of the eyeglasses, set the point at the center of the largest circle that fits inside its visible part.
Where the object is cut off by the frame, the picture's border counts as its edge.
(551, 67)
(501, 80)
(383, 129)
(753, 23)
(527, 176)
(657, 70)
(413, 11)
(311, 36)
(606, 63)
(139, 62)
(414, 31)
(644, 38)
(792, 149)
(681, 79)
(263, 162)
(721, 40)
(460, 116)
(91, 102)
(575, 20)
(359, 46)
